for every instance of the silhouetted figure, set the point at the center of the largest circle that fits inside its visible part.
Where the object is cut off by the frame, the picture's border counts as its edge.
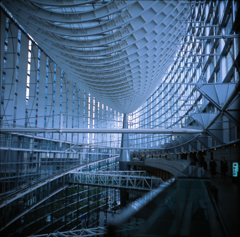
(212, 166)
(202, 163)
(224, 167)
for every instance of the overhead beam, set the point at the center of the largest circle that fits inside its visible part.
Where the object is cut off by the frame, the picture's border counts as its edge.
(101, 130)
(217, 37)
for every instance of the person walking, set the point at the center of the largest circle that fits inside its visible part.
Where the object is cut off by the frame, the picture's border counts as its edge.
(212, 166)
(224, 167)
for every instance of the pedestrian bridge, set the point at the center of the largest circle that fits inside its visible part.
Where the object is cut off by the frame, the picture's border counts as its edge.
(117, 179)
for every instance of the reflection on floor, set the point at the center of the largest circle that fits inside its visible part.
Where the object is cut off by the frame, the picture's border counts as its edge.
(228, 203)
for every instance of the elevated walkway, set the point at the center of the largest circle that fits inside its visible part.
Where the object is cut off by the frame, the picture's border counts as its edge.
(119, 179)
(38, 193)
(183, 206)
(186, 209)
(20, 192)
(91, 232)
(173, 166)
(23, 200)
(86, 232)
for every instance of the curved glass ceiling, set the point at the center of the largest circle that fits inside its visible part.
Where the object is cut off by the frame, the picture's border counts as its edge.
(117, 50)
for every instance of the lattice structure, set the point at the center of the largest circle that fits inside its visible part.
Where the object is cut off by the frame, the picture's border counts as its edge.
(117, 179)
(117, 50)
(98, 231)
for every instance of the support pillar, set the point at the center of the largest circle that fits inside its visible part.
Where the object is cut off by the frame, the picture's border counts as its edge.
(124, 154)
(124, 158)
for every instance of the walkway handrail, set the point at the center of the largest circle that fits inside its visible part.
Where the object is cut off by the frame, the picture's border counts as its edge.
(117, 179)
(171, 202)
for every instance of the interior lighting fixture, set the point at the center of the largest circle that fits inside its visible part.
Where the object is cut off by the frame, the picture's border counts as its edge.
(215, 149)
(234, 144)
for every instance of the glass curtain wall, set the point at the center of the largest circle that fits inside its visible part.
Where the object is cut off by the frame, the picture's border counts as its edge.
(207, 61)
(36, 93)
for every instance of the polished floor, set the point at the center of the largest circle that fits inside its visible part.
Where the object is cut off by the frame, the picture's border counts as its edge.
(228, 203)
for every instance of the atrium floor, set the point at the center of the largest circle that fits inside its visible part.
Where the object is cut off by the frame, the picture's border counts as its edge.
(228, 203)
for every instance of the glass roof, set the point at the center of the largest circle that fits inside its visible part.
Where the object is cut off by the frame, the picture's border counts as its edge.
(136, 38)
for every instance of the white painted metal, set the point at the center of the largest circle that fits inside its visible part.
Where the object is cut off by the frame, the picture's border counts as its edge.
(106, 130)
(120, 60)
(9, 94)
(22, 79)
(91, 232)
(116, 180)
(42, 87)
(130, 173)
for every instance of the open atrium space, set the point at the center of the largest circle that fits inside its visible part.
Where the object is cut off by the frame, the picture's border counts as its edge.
(119, 118)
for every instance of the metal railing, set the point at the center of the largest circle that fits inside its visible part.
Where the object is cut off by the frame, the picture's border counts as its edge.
(174, 209)
(119, 179)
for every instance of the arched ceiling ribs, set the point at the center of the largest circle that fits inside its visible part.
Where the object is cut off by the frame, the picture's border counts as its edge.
(64, 3)
(117, 50)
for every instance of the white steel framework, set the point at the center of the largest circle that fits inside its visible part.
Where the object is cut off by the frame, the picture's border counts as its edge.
(128, 180)
(70, 69)
(106, 130)
(117, 50)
